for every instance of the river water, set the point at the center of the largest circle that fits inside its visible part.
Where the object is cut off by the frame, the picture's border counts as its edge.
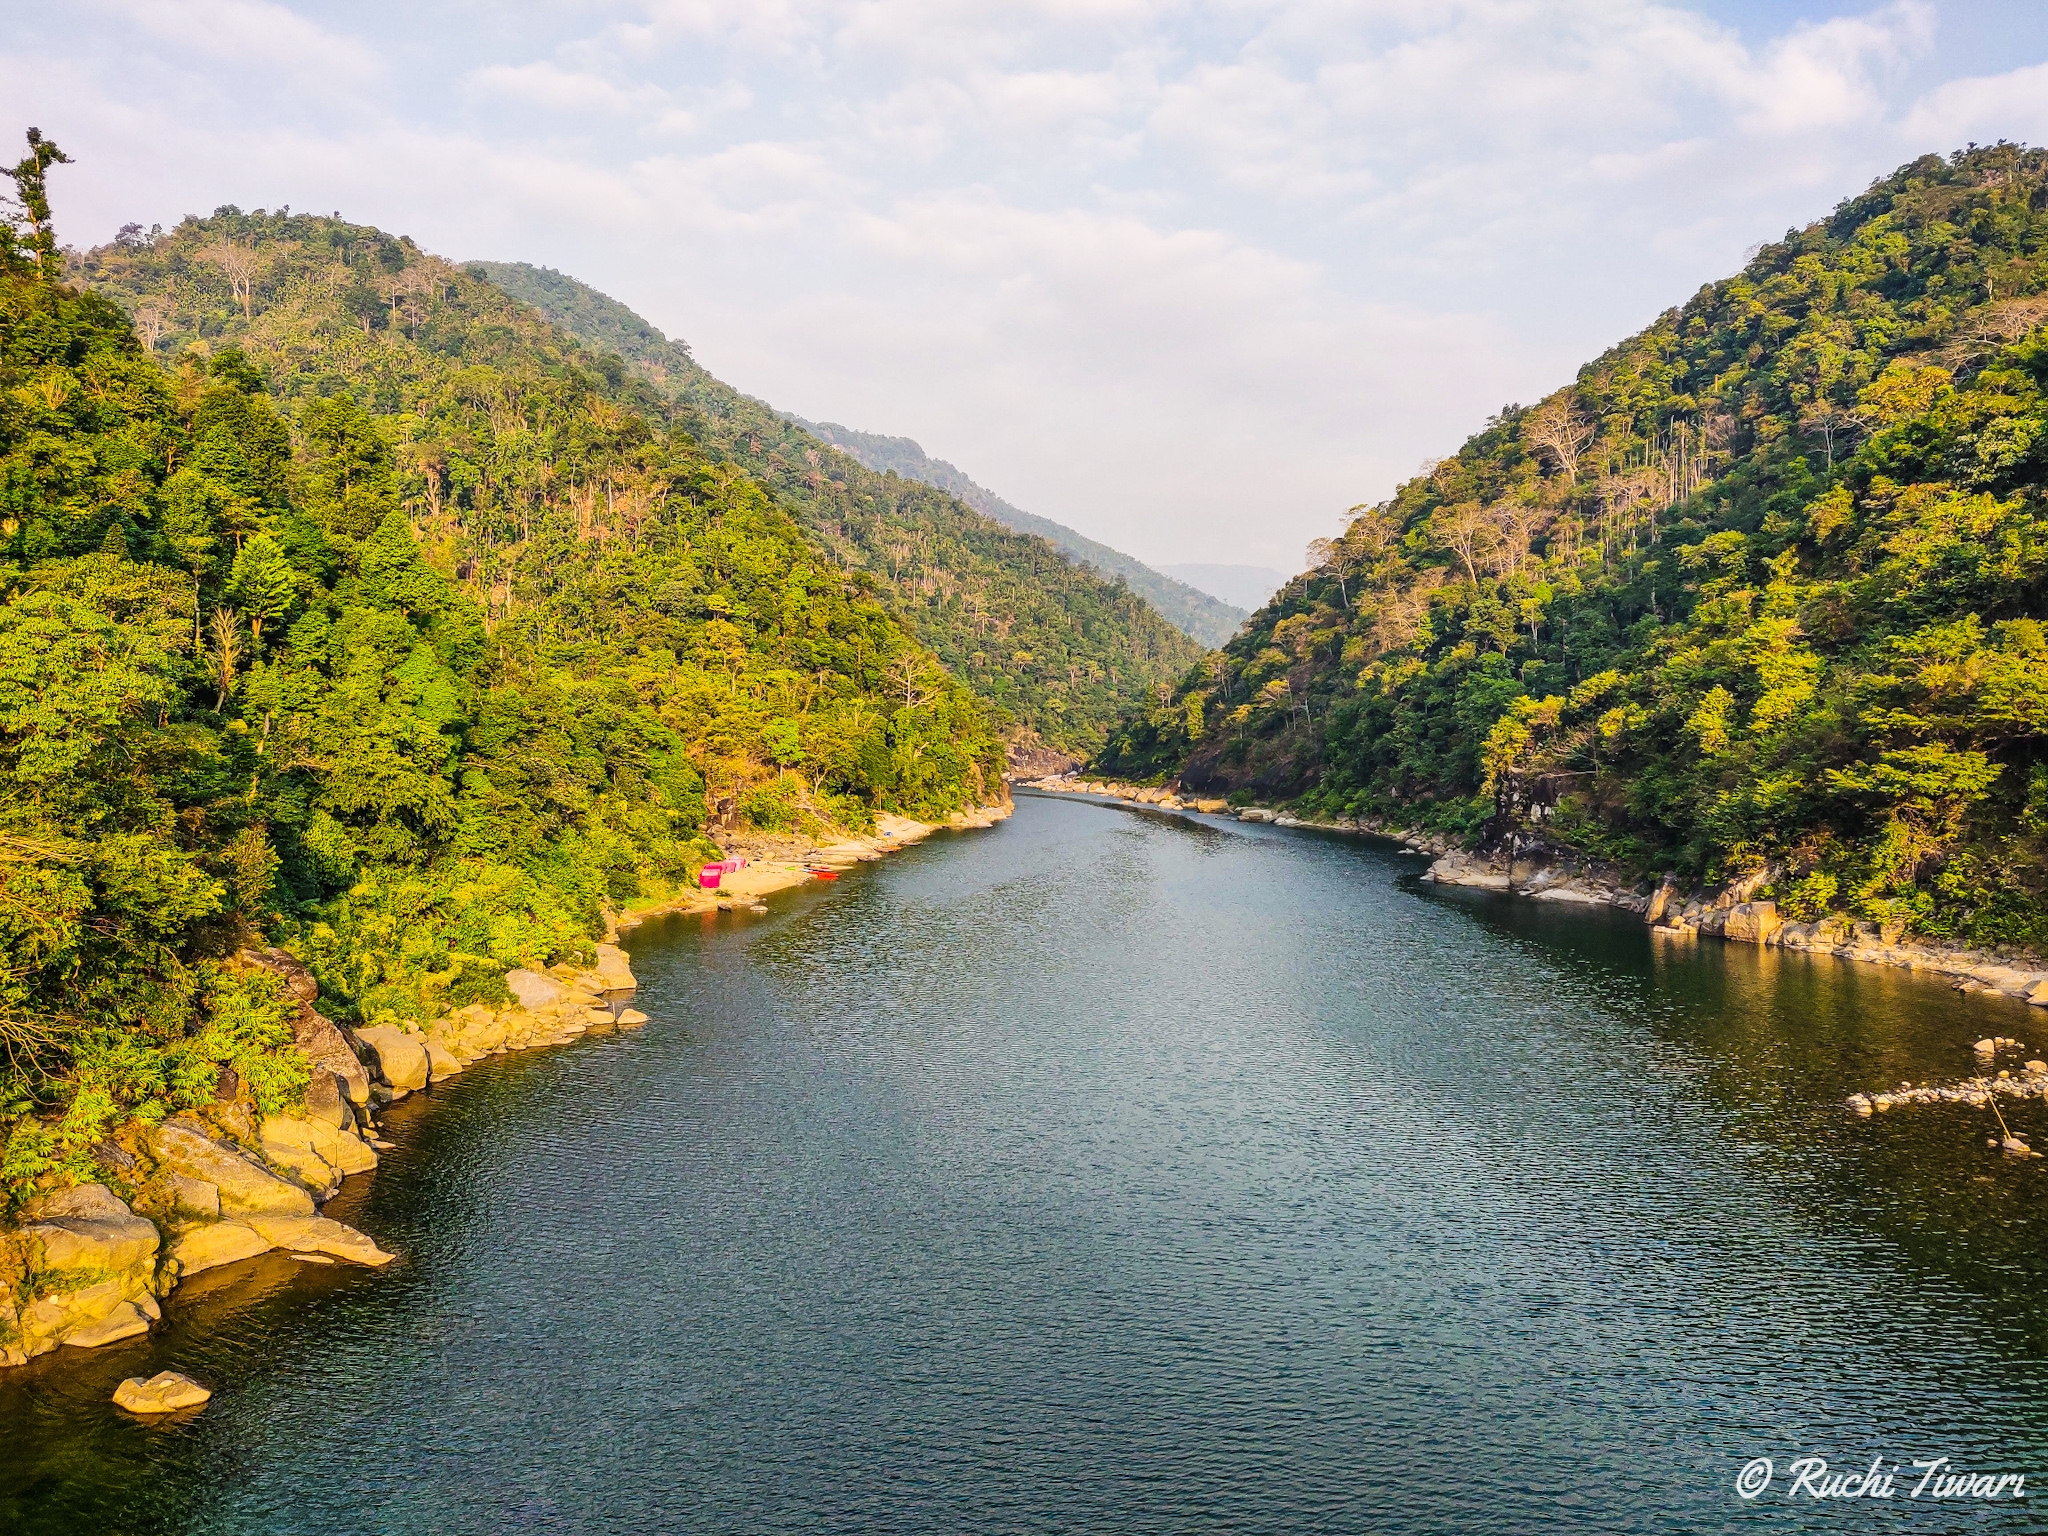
(1114, 1173)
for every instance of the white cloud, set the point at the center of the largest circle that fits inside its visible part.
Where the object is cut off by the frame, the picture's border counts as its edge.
(1192, 275)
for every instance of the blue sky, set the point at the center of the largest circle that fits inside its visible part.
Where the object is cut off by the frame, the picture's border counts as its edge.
(1193, 276)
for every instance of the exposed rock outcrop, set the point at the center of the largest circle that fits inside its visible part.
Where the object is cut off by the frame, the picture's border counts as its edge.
(165, 1392)
(85, 1268)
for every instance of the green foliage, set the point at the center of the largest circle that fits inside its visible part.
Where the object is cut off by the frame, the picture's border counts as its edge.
(1762, 588)
(1059, 649)
(397, 634)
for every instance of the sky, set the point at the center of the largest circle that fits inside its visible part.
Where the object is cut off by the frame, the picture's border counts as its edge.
(1191, 276)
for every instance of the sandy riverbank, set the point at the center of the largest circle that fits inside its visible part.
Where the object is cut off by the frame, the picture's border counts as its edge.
(778, 863)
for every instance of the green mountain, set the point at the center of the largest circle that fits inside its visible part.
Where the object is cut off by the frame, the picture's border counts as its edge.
(1056, 647)
(1761, 591)
(1194, 613)
(348, 604)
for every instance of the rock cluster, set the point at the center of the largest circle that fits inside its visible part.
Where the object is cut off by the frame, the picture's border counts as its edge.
(86, 1266)
(1128, 794)
(1731, 912)
(1977, 1092)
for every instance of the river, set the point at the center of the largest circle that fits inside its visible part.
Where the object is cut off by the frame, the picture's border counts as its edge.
(1112, 1172)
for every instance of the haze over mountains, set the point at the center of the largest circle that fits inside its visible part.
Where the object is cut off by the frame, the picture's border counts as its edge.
(1243, 586)
(1058, 648)
(1187, 606)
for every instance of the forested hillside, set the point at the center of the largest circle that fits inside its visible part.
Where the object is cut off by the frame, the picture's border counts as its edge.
(1063, 651)
(1197, 615)
(346, 603)
(1761, 590)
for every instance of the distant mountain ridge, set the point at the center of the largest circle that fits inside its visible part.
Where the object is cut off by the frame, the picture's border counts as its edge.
(1061, 651)
(1245, 586)
(1189, 609)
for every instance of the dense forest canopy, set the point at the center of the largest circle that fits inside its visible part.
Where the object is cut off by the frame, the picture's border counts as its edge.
(1061, 650)
(1761, 591)
(346, 603)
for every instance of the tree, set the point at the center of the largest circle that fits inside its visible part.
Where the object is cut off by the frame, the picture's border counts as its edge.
(239, 263)
(1828, 421)
(227, 651)
(30, 176)
(1330, 555)
(1558, 429)
(262, 584)
(1465, 530)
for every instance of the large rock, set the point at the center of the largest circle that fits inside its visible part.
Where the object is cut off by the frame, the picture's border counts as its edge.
(327, 1100)
(201, 1248)
(128, 1320)
(1752, 922)
(441, 1062)
(165, 1392)
(194, 1199)
(401, 1059)
(328, 1049)
(87, 1230)
(244, 1187)
(318, 1234)
(318, 1155)
(614, 974)
(533, 990)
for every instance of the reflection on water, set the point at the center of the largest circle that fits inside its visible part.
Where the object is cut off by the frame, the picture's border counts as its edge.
(1127, 1173)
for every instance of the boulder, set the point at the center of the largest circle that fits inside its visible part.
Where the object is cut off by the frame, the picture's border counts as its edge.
(165, 1392)
(318, 1155)
(197, 1249)
(244, 1187)
(327, 1100)
(400, 1059)
(1752, 922)
(441, 1062)
(319, 1234)
(1661, 900)
(629, 1017)
(86, 1229)
(614, 973)
(92, 1260)
(533, 990)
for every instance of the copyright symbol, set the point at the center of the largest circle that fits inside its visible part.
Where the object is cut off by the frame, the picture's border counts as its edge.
(1754, 1478)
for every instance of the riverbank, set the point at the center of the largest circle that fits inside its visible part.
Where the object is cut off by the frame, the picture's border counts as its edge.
(1540, 871)
(89, 1265)
(779, 863)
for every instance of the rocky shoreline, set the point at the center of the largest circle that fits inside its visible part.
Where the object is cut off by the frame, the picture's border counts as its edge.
(1540, 871)
(89, 1265)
